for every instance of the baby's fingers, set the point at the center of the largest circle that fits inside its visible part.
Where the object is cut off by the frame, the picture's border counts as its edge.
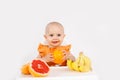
(64, 53)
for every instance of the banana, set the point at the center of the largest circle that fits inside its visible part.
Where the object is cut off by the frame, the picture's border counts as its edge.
(69, 64)
(75, 66)
(81, 64)
(87, 64)
(87, 61)
(77, 60)
(81, 59)
(84, 68)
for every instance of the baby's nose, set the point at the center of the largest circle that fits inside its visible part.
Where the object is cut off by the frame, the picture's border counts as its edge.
(55, 37)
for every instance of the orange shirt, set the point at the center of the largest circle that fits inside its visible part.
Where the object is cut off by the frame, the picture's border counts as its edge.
(45, 49)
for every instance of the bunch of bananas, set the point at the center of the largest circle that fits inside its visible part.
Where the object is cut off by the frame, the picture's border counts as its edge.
(81, 64)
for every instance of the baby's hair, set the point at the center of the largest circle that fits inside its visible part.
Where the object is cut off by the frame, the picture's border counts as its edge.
(54, 23)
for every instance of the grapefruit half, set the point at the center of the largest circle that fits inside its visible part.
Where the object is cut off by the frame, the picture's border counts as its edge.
(39, 68)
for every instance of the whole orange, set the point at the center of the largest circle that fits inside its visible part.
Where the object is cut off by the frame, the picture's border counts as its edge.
(58, 56)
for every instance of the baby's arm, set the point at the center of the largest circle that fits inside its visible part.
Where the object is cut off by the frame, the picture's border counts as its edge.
(68, 55)
(46, 58)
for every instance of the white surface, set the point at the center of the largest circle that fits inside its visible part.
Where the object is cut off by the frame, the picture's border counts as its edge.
(62, 73)
(92, 26)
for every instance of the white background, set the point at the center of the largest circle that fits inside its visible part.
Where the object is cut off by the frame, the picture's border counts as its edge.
(91, 26)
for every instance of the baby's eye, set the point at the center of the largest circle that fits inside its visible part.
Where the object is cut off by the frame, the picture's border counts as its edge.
(51, 35)
(58, 34)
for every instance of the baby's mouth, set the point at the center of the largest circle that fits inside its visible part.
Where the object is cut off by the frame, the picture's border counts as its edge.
(54, 42)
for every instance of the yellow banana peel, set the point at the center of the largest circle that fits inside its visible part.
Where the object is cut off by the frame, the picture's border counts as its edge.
(69, 64)
(75, 66)
(81, 64)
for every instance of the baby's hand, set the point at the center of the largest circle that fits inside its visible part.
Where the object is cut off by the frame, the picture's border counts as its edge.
(68, 55)
(65, 54)
(48, 58)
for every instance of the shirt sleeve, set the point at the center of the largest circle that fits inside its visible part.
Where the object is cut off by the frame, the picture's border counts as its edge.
(42, 49)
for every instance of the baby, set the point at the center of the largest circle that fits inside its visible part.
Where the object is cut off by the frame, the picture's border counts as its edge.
(54, 36)
(53, 52)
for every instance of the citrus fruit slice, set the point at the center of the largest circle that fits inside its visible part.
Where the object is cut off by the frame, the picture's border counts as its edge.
(39, 68)
(58, 56)
(25, 69)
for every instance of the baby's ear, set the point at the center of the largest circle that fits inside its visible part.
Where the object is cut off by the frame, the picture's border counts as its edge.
(64, 35)
(45, 36)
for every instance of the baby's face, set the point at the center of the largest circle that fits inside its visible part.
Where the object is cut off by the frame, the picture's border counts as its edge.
(54, 35)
